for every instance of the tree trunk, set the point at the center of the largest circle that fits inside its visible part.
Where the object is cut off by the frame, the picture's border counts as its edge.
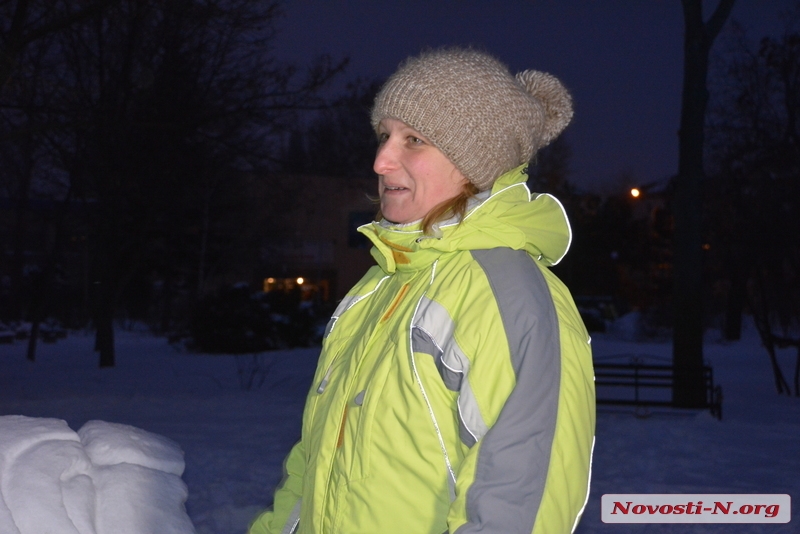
(32, 340)
(41, 283)
(103, 304)
(15, 311)
(735, 303)
(104, 327)
(688, 390)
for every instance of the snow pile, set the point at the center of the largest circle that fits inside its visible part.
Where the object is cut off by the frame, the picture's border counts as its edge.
(107, 478)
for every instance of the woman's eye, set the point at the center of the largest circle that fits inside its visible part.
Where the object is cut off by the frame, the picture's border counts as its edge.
(415, 140)
(382, 137)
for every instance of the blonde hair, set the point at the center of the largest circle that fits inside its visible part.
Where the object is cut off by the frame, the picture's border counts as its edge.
(454, 207)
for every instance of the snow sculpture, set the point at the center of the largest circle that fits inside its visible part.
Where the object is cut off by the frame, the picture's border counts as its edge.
(107, 478)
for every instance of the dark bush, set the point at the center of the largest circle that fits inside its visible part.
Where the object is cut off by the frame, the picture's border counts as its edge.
(234, 322)
(237, 320)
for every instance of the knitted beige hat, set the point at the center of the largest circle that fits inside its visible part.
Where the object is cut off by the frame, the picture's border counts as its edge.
(468, 104)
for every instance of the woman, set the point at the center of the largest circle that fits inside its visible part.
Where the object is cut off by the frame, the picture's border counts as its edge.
(454, 392)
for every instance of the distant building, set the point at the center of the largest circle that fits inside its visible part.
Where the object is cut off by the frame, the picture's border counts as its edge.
(319, 249)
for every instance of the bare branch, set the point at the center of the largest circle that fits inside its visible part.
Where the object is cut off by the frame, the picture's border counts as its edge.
(718, 18)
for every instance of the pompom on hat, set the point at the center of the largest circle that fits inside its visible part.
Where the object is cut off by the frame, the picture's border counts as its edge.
(468, 105)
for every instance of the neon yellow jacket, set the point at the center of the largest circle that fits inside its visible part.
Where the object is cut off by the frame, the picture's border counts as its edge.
(454, 392)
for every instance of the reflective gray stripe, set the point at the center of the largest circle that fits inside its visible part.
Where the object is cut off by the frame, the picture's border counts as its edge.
(452, 478)
(345, 304)
(471, 425)
(504, 497)
(294, 518)
(451, 486)
(452, 379)
(467, 438)
(435, 323)
(329, 326)
(423, 342)
(433, 332)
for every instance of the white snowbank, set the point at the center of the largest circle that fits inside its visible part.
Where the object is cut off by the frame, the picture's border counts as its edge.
(105, 479)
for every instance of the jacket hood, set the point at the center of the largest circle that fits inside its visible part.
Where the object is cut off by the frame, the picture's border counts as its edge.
(507, 216)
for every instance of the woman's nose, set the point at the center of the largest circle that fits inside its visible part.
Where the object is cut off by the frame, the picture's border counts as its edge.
(385, 158)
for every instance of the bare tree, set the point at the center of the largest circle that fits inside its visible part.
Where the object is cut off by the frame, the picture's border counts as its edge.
(549, 171)
(340, 141)
(755, 152)
(688, 390)
(30, 21)
(28, 59)
(164, 110)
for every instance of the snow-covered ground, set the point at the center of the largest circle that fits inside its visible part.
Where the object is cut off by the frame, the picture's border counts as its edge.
(234, 441)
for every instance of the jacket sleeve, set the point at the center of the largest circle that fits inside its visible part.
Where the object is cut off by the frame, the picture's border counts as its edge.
(525, 404)
(283, 516)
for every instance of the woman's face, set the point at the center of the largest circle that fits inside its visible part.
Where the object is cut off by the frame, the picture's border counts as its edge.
(413, 175)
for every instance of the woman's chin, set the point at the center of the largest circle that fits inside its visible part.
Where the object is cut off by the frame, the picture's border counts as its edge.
(397, 216)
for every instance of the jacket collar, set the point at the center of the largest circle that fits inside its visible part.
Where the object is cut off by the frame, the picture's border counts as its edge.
(506, 216)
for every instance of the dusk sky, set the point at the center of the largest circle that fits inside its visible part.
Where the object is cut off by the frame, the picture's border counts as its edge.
(621, 59)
